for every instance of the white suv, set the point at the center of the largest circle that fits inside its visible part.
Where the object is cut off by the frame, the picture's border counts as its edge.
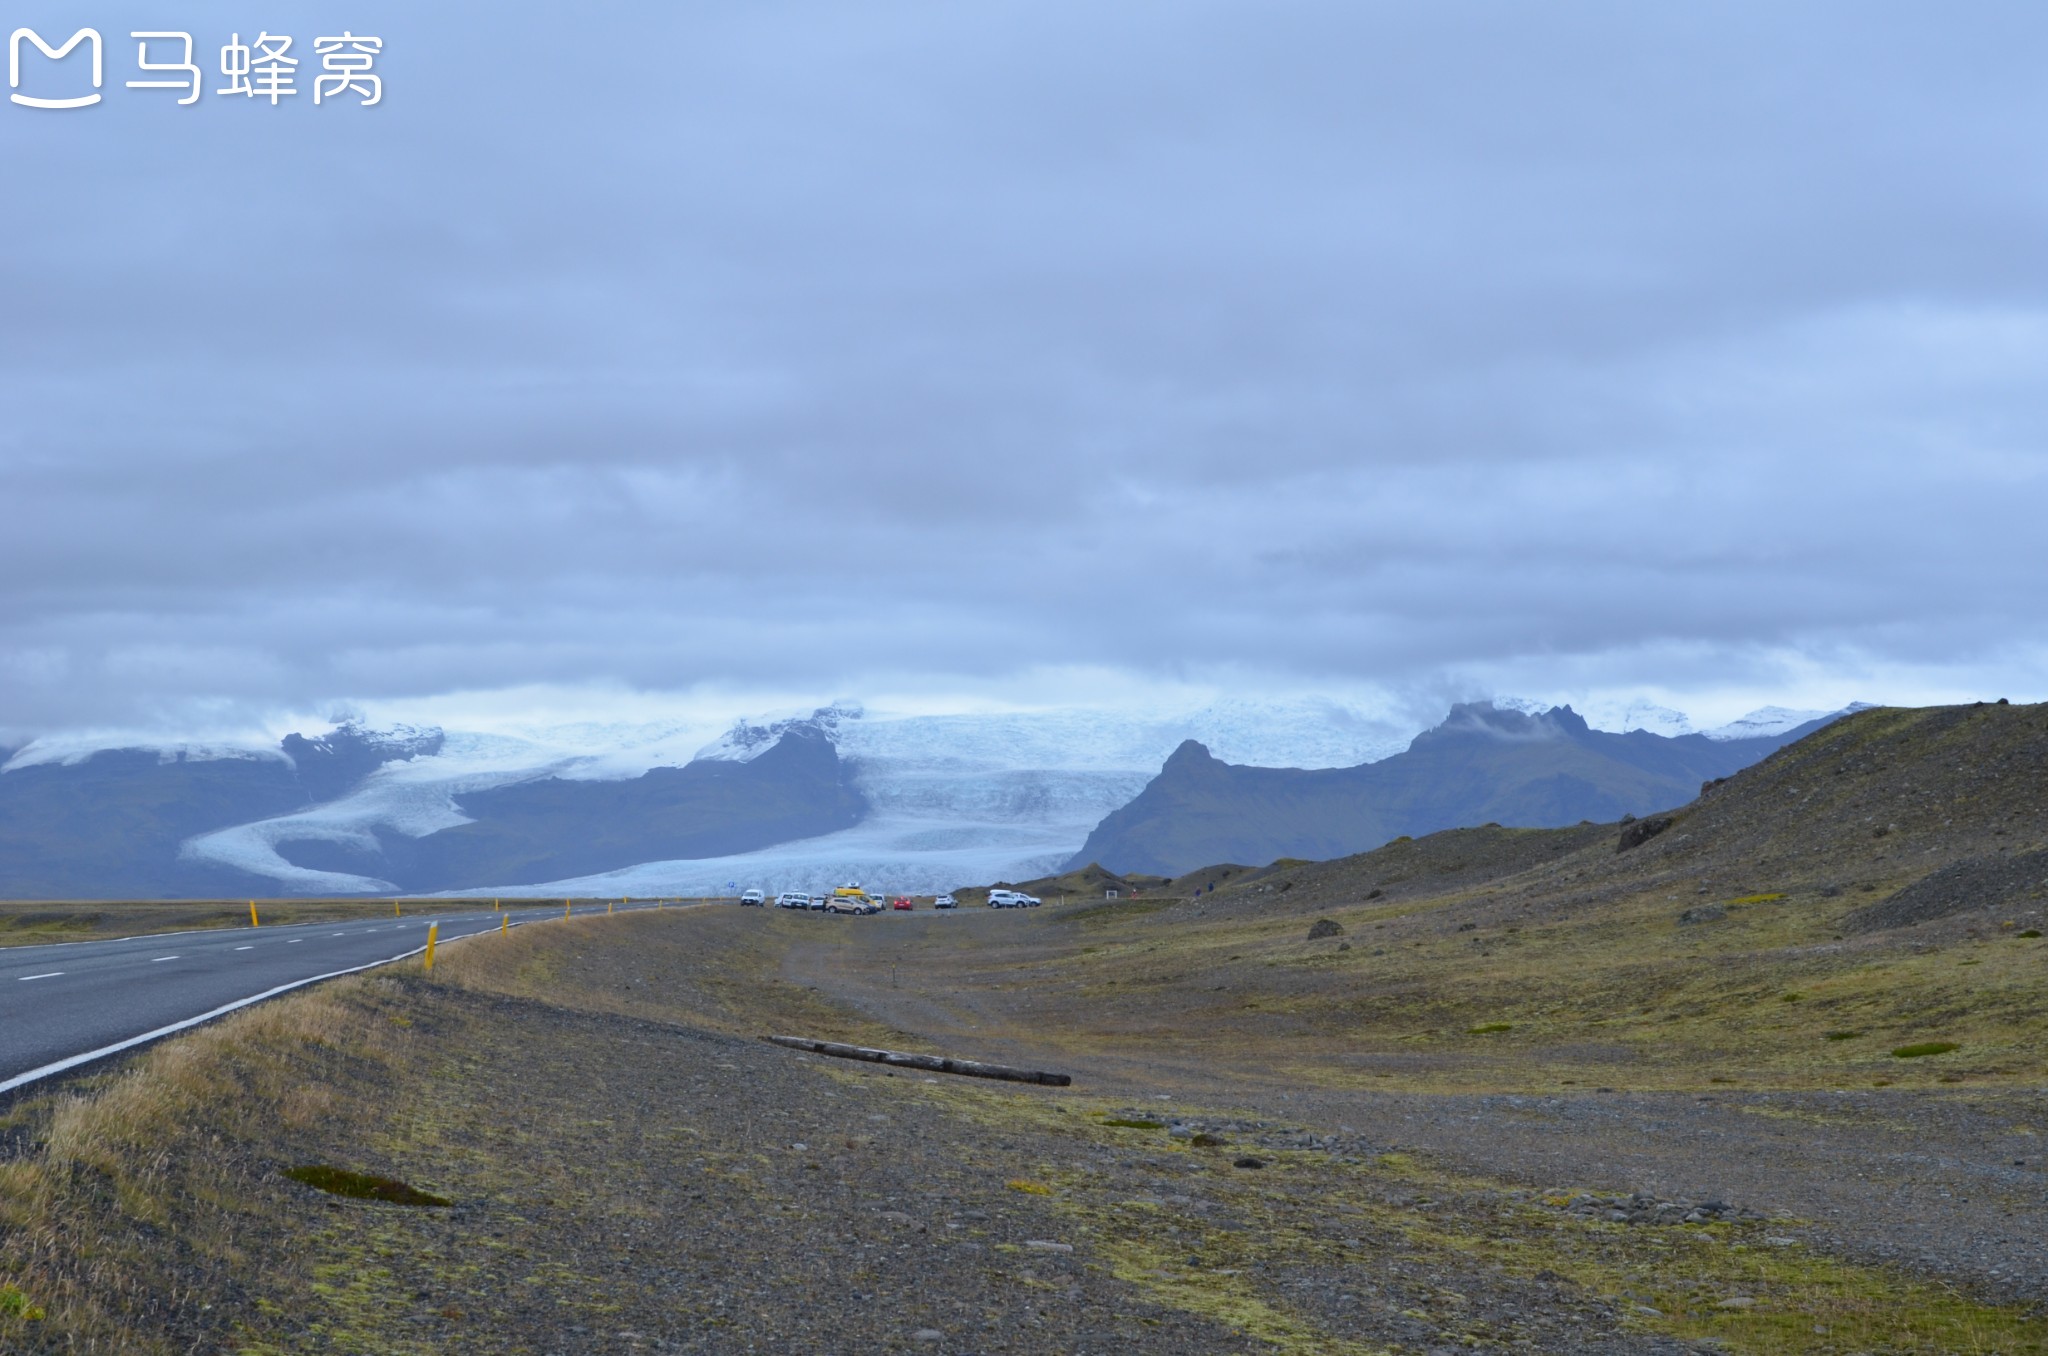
(1009, 899)
(792, 899)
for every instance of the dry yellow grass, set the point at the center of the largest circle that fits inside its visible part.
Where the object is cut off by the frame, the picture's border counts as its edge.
(130, 1210)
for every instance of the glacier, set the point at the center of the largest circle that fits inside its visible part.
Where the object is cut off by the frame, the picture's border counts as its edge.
(955, 799)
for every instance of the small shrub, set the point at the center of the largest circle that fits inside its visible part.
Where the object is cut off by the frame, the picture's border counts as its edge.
(1756, 899)
(2031, 932)
(1124, 1124)
(1924, 1048)
(1028, 1187)
(1791, 997)
(14, 1304)
(1325, 927)
(1843, 1035)
(1489, 1028)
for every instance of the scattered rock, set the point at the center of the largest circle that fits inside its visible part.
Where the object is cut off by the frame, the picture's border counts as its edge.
(1046, 1245)
(1325, 927)
(1249, 1163)
(1642, 831)
(1978, 882)
(1703, 913)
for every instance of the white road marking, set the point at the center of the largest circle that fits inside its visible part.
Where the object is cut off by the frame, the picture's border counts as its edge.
(245, 948)
(295, 941)
(20, 1080)
(161, 959)
(51, 975)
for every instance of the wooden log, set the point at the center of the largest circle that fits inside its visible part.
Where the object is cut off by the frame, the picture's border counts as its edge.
(929, 1063)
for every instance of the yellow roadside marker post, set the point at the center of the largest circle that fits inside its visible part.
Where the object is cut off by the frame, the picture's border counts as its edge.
(505, 925)
(252, 913)
(394, 908)
(433, 930)
(565, 908)
(607, 908)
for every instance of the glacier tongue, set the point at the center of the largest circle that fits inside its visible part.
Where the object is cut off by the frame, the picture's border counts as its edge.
(965, 799)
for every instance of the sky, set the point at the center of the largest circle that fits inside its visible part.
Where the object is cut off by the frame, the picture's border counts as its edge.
(745, 355)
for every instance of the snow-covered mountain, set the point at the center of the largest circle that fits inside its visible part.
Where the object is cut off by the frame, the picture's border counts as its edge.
(952, 799)
(931, 801)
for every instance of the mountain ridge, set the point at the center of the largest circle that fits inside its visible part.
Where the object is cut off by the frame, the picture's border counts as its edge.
(1483, 764)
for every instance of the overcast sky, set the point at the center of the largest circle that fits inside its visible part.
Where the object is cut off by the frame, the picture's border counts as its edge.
(1031, 351)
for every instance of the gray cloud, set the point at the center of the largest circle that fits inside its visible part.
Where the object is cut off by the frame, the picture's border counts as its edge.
(1329, 342)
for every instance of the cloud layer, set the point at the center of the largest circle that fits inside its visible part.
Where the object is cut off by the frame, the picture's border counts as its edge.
(1314, 343)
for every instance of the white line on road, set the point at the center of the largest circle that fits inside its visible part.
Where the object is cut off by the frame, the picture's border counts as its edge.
(295, 941)
(245, 948)
(51, 975)
(158, 960)
(74, 1061)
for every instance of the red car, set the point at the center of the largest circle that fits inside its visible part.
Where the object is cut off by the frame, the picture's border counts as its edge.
(900, 902)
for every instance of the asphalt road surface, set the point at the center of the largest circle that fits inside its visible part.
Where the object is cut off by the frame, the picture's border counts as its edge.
(66, 1004)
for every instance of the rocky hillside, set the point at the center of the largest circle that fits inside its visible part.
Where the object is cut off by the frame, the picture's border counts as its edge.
(1482, 765)
(1884, 819)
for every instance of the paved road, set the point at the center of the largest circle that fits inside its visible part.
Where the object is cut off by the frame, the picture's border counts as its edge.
(65, 1004)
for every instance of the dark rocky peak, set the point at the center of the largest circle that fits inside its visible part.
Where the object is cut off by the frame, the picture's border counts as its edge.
(1191, 756)
(329, 765)
(1484, 720)
(747, 740)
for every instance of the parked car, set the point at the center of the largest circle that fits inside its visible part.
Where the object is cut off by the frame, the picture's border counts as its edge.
(817, 903)
(792, 899)
(945, 902)
(845, 904)
(901, 902)
(754, 897)
(1006, 899)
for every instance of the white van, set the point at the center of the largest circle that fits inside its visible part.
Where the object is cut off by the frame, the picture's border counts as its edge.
(754, 897)
(792, 899)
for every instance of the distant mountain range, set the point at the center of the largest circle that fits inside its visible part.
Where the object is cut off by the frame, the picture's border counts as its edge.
(917, 803)
(1484, 764)
(114, 823)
